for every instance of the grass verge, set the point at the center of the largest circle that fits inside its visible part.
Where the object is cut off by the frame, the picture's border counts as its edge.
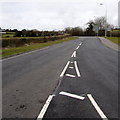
(18, 50)
(114, 39)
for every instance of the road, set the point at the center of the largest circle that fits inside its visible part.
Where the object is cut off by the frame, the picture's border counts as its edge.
(81, 77)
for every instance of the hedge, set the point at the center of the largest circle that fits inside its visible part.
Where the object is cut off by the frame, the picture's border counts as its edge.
(16, 42)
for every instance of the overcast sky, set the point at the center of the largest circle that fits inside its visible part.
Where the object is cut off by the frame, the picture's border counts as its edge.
(54, 14)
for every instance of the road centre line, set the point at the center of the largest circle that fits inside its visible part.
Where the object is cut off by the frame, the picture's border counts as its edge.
(80, 44)
(71, 62)
(72, 95)
(21, 54)
(77, 48)
(44, 109)
(76, 68)
(61, 75)
(97, 107)
(74, 54)
(70, 75)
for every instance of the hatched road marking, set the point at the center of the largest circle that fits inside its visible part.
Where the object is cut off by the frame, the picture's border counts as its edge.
(76, 68)
(72, 95)
(70, 75)
(61, 75)
(97, 107)
(44, 109)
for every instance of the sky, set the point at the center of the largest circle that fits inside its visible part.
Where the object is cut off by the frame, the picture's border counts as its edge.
(55, 14)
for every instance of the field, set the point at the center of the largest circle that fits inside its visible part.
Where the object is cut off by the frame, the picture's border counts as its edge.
(8, 34)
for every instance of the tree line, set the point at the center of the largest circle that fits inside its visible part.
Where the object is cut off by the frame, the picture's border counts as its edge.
(94, 27)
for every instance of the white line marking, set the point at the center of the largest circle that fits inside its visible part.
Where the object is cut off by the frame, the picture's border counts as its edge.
(74, 54)
(72, 95)
(76, 68)
(44, 109)
(80, 44)
(24, 54)
(71, 67)
(97, 107)
(61, 75)
(77, 48)
(70, 75)
(71, 62)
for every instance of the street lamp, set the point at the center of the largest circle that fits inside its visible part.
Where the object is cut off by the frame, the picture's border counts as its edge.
(105, 18)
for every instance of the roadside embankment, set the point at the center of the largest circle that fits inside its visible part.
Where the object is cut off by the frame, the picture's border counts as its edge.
(110, 44)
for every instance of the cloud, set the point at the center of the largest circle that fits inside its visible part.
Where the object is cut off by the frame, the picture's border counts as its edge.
(50, 15)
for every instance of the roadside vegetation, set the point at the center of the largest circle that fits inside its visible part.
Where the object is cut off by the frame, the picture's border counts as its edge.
(114, 39)
(17, 50)
(19, 41)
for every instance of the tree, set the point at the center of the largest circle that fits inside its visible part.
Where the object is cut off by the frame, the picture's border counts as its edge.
(101, 22)
(76, 31)
(90, 28)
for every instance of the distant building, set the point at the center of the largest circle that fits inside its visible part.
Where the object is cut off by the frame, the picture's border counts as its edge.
(119, 13)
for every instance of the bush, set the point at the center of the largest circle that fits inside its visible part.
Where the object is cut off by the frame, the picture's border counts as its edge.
(16, 42)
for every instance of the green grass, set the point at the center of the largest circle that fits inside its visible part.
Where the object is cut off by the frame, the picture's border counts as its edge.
(12, 51)
(8, 35)
(114, 39)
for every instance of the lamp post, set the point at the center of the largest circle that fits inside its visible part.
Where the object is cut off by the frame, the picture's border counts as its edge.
(105, 19)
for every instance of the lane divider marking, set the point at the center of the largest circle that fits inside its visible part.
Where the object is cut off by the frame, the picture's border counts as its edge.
(45, 107)
(76, 68)
(80, 44)
(70, 75)
(72, 95)
(74, 54)
(77, 48)
(97, 107)
(63, 72)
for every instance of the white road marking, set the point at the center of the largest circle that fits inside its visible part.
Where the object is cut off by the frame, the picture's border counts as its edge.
(70, 75)
(76, 68)
(77, 48)
(24, 54)
(72, 95)
(74, 54)
(71, 62)
(80, 44)
(97, 107)
(71, 67)
(44, 109)
(61, 75)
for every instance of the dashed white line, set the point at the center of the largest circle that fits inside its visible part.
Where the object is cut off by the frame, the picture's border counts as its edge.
(24, 54)
(69, 75)
(76, 68)
(77, 48)
(97, 107)
(61, 75)
(80, 44)
(44, 109)
(72, 95)
(71, 62)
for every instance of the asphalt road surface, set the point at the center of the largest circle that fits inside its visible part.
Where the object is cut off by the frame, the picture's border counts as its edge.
(79, 79)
